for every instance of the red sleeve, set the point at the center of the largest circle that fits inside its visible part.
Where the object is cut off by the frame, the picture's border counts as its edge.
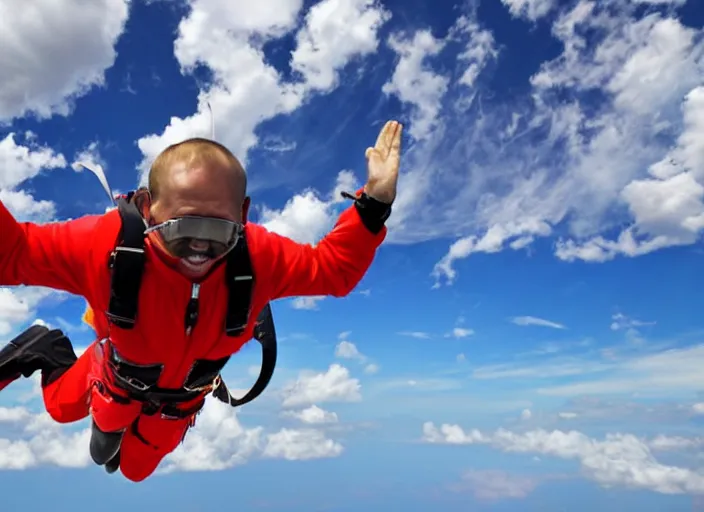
(54, 255)
(333, 267)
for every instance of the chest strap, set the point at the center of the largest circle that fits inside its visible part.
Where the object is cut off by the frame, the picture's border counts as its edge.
(127, 263)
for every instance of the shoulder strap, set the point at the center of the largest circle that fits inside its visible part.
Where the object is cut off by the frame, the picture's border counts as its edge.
(265, 334)
(240, 284)
(127, 265)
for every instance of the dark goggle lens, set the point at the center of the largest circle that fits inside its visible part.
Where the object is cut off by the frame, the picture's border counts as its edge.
(178, 235)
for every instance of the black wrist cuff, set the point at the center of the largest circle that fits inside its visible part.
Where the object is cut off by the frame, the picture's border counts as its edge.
(372, 212)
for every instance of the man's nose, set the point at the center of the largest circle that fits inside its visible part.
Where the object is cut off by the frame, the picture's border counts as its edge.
(198, 245)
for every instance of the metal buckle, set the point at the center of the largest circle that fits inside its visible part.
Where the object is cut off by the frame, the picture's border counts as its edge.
(205, 387)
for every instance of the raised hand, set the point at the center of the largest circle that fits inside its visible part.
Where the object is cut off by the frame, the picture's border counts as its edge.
(383, 162)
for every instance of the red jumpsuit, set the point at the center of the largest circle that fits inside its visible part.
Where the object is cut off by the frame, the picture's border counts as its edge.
(73, 256)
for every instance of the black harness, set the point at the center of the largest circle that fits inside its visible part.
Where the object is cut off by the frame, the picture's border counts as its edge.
(127, 267)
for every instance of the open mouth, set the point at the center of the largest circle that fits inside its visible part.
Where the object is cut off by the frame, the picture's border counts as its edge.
(195, 262)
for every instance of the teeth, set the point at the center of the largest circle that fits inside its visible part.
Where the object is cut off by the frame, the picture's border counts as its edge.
(197, 260)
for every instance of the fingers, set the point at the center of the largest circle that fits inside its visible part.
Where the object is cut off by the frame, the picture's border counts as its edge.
(396, 141)
(382, 136)
(389, 139)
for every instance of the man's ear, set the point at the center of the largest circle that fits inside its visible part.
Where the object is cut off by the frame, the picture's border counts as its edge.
(245, 209)
(143, 201)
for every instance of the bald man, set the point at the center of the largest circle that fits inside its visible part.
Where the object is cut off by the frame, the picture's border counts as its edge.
(177, 281)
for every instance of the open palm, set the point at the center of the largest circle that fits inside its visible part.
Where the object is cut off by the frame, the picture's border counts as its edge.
(383, 162)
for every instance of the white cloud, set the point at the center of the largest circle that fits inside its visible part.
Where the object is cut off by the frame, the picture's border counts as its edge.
(415, 334)
(55, 51)
(532, 320)
(461, 332)
(698, 408)
(619, 321)
(619, 459)
(335, 385)
(218, 441)
(304, 444)
(414, 82)
(309, 302)
(44, 442)
(530, 9)
(306, 217)
(567, 415)
(20, 163)
(312, 415)
(571, 158)
(662, 372)
(345, 349)
(228, 38)
(494, 485)
(335, 32)
(348, 350)
(18, 305)
(526, 414)
(371, 369)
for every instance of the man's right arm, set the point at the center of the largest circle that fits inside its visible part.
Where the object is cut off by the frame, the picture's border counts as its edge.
(54, 255)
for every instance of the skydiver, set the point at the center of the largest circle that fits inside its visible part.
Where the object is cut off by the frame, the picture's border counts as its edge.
(176, 278)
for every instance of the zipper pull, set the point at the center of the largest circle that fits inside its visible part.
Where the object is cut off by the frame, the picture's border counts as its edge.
(192, 309)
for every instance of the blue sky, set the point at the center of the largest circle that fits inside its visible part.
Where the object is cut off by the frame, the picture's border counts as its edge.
(529, 336)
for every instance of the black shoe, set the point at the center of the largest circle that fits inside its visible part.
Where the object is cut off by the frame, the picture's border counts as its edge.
(104, 446)
(37, 348)
(113, 464)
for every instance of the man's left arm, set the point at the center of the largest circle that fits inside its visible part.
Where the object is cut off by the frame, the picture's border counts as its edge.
(340, 260)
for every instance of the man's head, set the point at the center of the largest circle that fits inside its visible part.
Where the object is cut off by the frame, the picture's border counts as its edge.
(195, 178)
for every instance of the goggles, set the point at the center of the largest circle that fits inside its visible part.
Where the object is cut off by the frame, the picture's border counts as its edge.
(178, 235)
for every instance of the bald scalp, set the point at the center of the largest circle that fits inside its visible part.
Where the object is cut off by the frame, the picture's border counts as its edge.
(196, 153)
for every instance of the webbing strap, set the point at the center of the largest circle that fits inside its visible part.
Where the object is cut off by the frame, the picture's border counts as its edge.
(127, 265)
(265, 334)
(240, 284)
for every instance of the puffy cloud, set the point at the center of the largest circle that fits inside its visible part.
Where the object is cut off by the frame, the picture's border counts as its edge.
(18, 305)
(530, 9)
(307, 217)
(218, 441)
(619, 459)
(308, 302)
(371, 369)
(414, 82)
(301, 445)
(602, 140)
(44, 442)
(55, 51)
(334, 33)
(334, 385)
(347, 350)
(228, 40)
(20, 163)
(312, 415)
(461, 332)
